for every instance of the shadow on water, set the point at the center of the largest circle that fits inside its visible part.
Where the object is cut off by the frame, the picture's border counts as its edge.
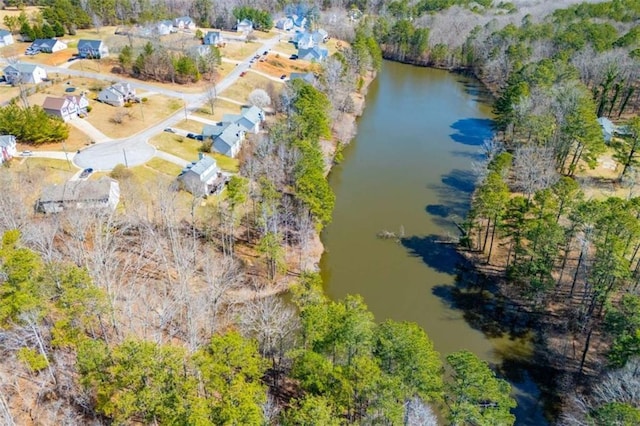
(440, 257)
(472, 131)
(479, 92)
(454, 193)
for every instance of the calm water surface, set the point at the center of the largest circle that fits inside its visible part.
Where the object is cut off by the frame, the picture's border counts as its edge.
(409, 169)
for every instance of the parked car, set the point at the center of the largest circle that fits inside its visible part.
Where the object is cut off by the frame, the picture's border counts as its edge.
(243, 73)
(26, 153)
(265, 52)
(169, 130)
(283, 76)
(293, 57)
(191, 135)
(85, 173)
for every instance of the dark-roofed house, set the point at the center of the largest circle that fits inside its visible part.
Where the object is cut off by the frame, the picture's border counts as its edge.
(309, 77)
(213, 38)
(226, 137)
(92, 49)
(24, 73)
(81, 194)
(5, 38)
(249, 118)
(64, 108)
(315, 54)
(184, 23)
(202, 177)
(118, 94)
(47, 45)
(7, 148)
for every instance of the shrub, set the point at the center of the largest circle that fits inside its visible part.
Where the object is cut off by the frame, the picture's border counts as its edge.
(120, 171)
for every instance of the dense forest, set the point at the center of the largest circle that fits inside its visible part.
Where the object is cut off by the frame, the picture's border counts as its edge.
(163, 313)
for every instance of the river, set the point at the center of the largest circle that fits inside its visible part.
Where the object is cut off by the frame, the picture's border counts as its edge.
(409, 170)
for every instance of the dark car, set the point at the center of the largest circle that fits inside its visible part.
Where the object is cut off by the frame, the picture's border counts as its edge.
(169, 130)
(294, 57)
(191, 135)
(85, 173)
(243, 73)
(199, 137)
(283, 76)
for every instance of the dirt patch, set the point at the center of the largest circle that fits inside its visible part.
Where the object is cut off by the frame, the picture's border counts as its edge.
(277, 65)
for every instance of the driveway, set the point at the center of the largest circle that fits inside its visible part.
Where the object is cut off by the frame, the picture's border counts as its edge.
(88, 129)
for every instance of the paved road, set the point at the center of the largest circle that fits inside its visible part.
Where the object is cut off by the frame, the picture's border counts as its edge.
(106, 155)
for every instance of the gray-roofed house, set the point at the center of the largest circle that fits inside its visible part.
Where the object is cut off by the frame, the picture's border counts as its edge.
(80, 194)
(309, 77)
(24, 73)
(226, 137)
(164, 28)
(92, 49)
(213, 38)
(245, 26)
(8, 148)
(5, 38)
(315, 54)
(299, 21)
(249, 118)
(284, 24)
(64, 108)
(184, 23)
(202, 177)
(47, 45)
(118, 94)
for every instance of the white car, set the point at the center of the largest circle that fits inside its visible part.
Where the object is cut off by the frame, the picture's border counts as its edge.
(26, 153)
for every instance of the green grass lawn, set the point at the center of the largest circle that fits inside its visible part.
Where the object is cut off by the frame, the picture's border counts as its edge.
(226, 163)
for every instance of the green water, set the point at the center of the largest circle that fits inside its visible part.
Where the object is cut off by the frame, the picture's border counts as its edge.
(410, 169)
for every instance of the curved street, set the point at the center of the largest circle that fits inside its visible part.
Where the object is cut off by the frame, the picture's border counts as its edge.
(136, 150)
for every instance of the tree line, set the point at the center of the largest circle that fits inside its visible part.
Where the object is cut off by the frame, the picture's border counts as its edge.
(32, 124)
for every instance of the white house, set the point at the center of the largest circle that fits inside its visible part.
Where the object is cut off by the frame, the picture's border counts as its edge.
(299, 21)
(5, 38)
(47, 45)
(118, 94)
(245, 26)
(184, 23)
(213, 38)
(308, 40)
(81, 102)
(250, 119)
(8, 148)
(64, 108)
(24, 73)
(284, 24)
(202, 177)
(92, 49)
(80, 194)
(165, 27)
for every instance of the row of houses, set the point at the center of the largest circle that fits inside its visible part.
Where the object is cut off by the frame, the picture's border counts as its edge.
(89, 49)
(227, 136)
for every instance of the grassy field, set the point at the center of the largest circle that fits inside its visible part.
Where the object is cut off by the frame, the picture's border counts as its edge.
(52, 171)
(244, 85)
(191, 126)
(177, 145)
(238, 50)
(163, 166)
(226, 163)
(222, 107)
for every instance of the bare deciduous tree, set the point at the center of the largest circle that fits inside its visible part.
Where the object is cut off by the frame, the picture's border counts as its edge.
(259, 98)
(534, 168)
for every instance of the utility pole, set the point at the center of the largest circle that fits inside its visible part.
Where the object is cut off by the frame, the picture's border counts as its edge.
(126, 164)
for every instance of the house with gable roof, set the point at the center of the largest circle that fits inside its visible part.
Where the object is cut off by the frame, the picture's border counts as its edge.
(309, 77)
(202, 177)
(226, 137)
(315, 54)
(118, 94)
(80, 194)
(47, 45)
(24, 73)
(213, 38)
(5, 38)
(92, 49)
(65, 108)
(164, 28)
(245, 26)
(8, 148)
(284, 24)
(184, 23)
(249, 118)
